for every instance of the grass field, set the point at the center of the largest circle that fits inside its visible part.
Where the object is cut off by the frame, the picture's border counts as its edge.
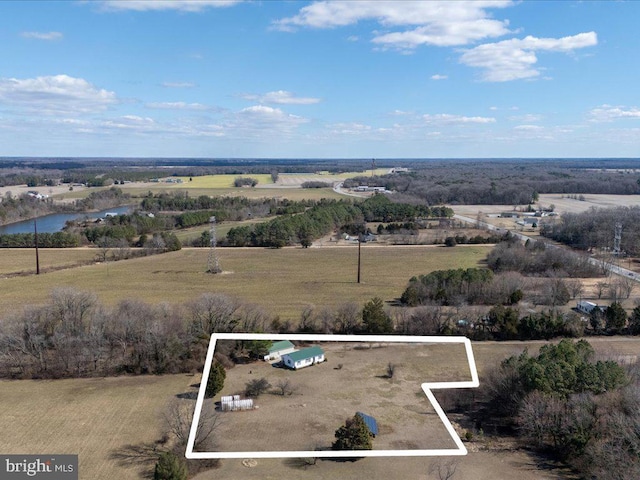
(139, 189)
(100, 419)
(283, 281)
(287, 186)
(187, 234)
(17, 260)
(95, 418)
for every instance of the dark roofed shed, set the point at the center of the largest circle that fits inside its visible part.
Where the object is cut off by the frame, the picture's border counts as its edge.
(370, 422)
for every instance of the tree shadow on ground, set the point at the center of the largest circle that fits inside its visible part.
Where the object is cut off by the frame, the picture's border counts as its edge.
(143, 455)
(188, 395)
(300, 463)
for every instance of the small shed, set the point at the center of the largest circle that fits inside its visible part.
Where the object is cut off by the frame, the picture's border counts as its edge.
(278, 349)
(304, 358)
(370, 422)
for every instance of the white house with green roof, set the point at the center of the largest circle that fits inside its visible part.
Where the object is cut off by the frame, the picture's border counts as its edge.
(303, 358)
(278, 349)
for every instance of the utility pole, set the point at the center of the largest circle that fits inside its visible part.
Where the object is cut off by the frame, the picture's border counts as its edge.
(359, 243)
(213, 263)
(35, 238)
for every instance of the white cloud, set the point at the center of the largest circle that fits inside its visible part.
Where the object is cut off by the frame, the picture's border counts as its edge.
(608, 113)
(54, 94)
(515, 58)
(182, 5)
(442, 23)
(530, 128)
(526, 118)
(261, 116)
(178, 106)
(178, 84)
(281, 97)
(448, 119)
(349, 128)
(42, 35)
(353, 38)
(437, 76)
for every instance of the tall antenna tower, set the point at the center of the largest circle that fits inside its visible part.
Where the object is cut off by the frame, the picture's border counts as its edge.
(373, 165)
(617, 239)
(213, 264)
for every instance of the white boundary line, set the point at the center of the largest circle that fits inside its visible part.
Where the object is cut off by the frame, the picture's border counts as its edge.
(426, 387)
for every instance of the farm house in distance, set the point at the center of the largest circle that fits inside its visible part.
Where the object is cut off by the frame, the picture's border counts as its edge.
(303, 358)
(278, 349)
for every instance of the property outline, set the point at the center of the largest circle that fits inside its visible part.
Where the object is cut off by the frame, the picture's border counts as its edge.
(427, 387)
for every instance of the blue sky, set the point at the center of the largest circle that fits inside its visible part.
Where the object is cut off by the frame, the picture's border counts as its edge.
(341, 79)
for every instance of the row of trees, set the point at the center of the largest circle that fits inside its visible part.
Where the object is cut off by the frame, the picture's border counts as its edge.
(535, 258)
(74, 335)
(595, 229)
(325, 216)
(45, 240)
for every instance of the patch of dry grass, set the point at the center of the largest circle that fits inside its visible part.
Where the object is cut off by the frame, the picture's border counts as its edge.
(283, 281)
(17, 260)
(95, 418)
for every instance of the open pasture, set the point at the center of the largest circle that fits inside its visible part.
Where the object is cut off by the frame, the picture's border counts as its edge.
(139, 189)
(23, 260)
(96, 418)
(283, 281)
(353, 378)
(103, 418)
(562, 204)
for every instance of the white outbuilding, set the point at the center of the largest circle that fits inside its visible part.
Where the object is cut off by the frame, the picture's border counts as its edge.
(278, 349)
(303, 358)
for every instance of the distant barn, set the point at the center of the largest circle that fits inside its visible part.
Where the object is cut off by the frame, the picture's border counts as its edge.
(370, 422)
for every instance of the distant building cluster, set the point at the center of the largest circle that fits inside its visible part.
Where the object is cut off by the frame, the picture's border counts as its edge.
(36, 195)
(366, 188)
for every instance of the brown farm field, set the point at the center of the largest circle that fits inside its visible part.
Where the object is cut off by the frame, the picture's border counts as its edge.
(96, 418)
(107, 420)
(22, 260)
(283, 281)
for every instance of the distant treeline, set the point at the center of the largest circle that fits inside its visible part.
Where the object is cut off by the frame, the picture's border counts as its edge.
(504, 183)
(224, 208)
(316, 184)
(325, 216)
(45, 240)
(595, 229)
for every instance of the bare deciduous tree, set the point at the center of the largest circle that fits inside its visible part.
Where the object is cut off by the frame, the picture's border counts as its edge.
(214, 312)
(286, 387)
(178, 419)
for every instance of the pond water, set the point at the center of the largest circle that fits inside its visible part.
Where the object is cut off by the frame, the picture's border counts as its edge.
(56, 221)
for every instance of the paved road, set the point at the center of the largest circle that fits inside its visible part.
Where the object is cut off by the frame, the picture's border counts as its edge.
(338, 189)
(618, 270)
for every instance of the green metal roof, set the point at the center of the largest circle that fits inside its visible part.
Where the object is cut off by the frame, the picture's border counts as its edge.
(306, 353)
(282, 345)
